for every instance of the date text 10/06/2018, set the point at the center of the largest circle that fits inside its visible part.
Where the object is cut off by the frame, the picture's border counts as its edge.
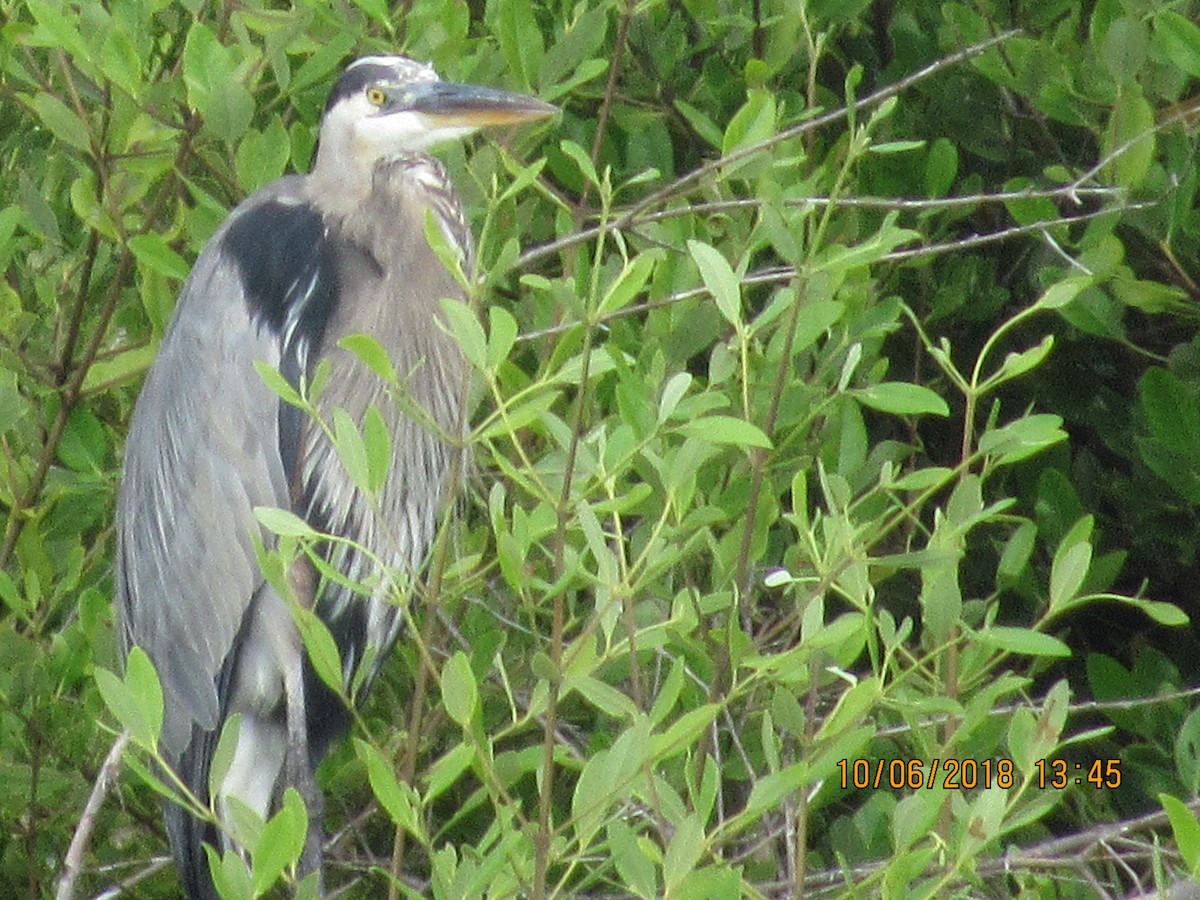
(968, 774)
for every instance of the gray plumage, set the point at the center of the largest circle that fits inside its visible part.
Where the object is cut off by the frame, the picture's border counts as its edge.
(296, 267)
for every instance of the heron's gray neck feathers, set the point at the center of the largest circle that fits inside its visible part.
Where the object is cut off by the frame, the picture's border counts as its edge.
(390, 292)
(409, 181)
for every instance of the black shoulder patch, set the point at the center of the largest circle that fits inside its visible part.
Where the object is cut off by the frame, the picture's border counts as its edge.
(289, 266)
(286, 262)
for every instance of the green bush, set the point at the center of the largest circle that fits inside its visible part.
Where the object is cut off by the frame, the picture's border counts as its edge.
(837, 417)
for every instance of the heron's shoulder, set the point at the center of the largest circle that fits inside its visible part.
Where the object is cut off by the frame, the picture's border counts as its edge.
(284, 203)
(290, 190)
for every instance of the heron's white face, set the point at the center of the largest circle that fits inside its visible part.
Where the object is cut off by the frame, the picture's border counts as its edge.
(385, 134)
(378, 118)
(384, 106)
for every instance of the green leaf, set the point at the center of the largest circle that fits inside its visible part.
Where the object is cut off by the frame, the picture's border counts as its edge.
(923, 479)
(231, 875)
(1172, 413)
(116, 370)
(59, 31)
(262, 156)
(1187, 753)
(1163, 613)
(372, 354)
(279, 385)
(465, 328)
(752, 124)
(941, 167)
(1096, 312)
(1018, 550)
(668, 694)
(1022, 641)
(377, 444)
(1068, 571)
(683, 731)
(84, 445)
(284, 522)
(446, 771)
(1186, 829)
(673, 391)
(281, 841)
(815, 319)
(13, 598)
(770, 790)
(376, 9)
(351, 449)
(851, 707)
(523, 177)
(63, 123)
(895, 147)
(582, 160)
(1063, 292)
(604, 697)
(121, 704)
(631, 281)
(1151, 297)
(502, 334)
(579, 42)
(838, 259)
(1179, 37)
(597, 787)
(146, 691)
(1017, 364)
(222, 757)
(399, 801)
(636, 869)
(520, 39)
(214, 88)
(701, 123)
(1021, 439)
(914, 817)
(726, 430)
(137, 700)
(1129, 140)
(720, 280)
(322, 649)
(902, 399)
(1124, 49)
(154, 253)
(121, 61)
(460, 696)
(683, 852)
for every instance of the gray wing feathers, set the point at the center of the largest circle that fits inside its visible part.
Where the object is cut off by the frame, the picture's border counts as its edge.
(196, 465)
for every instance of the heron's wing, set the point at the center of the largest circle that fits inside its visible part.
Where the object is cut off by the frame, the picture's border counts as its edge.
(204, 449)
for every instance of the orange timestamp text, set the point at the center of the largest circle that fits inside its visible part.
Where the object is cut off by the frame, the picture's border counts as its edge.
(950, 774)
(1060, 773)
(968, 774)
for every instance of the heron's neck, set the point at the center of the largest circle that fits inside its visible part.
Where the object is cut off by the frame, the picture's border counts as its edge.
(341, 182)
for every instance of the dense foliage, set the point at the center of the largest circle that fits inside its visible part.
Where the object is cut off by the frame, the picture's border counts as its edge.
(837, 416)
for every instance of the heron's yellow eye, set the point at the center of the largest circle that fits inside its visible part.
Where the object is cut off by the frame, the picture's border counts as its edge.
(376, 96)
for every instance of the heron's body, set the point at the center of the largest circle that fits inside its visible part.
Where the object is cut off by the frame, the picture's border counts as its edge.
(301, 264)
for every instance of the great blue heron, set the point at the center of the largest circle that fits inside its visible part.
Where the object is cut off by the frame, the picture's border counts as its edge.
(299, 265)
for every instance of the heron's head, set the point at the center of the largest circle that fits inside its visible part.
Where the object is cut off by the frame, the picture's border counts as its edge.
(387, 105)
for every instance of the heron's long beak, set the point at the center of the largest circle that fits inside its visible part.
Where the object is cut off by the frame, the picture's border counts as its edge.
(468, 106)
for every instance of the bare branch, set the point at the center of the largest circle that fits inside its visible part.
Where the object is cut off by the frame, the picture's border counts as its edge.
(73, 861)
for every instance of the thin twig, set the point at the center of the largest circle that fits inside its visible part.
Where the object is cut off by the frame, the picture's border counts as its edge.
(610, 91)
(698, 175)
(1072, 193)
(782, 274)
(816, 122)
(73, 861)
